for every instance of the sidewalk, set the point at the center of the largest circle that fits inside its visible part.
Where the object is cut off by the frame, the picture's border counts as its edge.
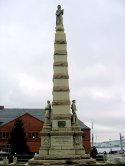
(115, 158)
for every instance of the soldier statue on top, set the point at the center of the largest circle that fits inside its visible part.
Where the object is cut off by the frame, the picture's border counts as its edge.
(59, 17)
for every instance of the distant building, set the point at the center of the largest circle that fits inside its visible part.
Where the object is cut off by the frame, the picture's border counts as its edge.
(109, 144)
(33, 120)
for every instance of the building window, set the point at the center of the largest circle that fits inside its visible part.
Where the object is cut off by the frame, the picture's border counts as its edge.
(33, 135)
(4, 135)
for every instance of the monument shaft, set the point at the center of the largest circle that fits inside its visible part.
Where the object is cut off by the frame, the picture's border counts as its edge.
(61, 99)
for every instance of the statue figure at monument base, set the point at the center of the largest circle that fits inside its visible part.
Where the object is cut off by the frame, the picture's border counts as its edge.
(48, 113)
(74, 116)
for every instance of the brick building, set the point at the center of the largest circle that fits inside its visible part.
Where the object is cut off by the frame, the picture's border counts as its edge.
(33, 120)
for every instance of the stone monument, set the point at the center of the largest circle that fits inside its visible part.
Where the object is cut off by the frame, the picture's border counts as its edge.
(61, 136)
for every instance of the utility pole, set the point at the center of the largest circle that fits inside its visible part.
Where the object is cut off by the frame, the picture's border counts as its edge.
(92, 135)
(121, 139)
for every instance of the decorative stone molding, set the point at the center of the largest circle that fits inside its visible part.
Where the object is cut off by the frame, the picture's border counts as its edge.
(59, 28)
(61, 129)
(60, 55)
(60, 88)
(60, 64)
(76, 128)
(61, 76)
(78, 132)
(61, 52)
(61, 102)
(44, 133)
(77, 140)
(45, 140)
(62, 133)
(61, 116)
(60, 42)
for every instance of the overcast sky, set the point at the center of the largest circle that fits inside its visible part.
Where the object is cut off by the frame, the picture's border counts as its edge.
(95, 32)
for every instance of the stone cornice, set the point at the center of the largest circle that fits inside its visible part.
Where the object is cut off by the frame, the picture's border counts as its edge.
(60, 64)
(62, 133)
(61, 76)
(62, 88)
(59, 28)
(61, 116)
(60, 42)
(60, 52)
(61, 102)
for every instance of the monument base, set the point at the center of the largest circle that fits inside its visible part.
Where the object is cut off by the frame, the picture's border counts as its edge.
(61, 160)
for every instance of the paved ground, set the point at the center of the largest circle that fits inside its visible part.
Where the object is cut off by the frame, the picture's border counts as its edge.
(115, 158)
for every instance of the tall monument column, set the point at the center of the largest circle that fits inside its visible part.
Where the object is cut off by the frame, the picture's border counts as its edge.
(61, 136)
(61, 99)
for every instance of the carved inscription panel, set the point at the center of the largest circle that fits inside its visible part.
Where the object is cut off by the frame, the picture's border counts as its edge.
(61, 141)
